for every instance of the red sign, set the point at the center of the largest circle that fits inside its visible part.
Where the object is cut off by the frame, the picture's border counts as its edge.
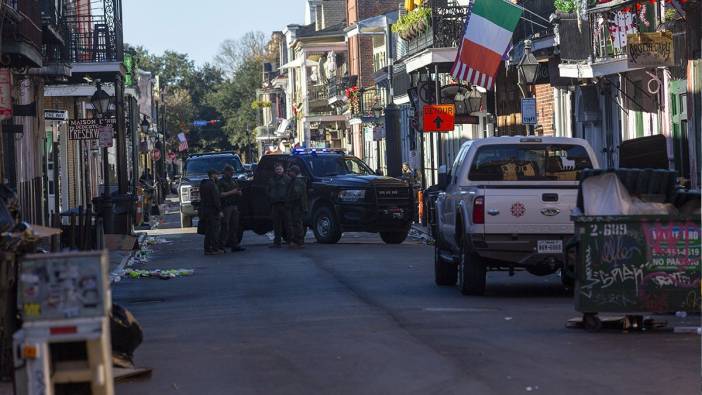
(5, 94)
(439, 118)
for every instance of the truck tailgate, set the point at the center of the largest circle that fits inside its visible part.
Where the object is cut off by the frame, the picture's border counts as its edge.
(529, 211)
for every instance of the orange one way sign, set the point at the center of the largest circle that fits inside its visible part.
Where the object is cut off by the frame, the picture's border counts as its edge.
(439, 117)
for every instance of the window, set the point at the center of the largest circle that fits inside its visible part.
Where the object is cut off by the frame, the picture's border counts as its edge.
(334, 165)
(203, 164)
(457, 163)
(529, 162)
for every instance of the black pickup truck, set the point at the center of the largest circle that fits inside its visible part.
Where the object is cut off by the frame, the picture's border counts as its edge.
(345, 195)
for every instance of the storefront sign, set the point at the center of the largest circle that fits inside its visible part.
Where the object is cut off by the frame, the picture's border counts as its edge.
(650, 49)
(529, 111)
(55, 115)
(106, 136)
(89, 129)
(439, 117)
(5, 94)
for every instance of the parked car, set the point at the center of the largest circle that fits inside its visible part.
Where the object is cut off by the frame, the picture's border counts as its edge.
(194, 171)
(505, 205)
(345, 195)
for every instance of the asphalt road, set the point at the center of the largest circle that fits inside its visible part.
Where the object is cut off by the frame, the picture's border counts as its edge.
(362, 317)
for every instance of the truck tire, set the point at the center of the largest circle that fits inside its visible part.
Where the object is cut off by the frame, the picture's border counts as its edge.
(393, 237)
(186, 221)
(445, 273)
(471, 273)
(325, 226)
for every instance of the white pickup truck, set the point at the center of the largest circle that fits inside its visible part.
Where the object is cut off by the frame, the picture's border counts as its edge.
(505, 205)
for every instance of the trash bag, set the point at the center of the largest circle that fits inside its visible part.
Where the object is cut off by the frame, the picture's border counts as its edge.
(605, 194)
(126, 335)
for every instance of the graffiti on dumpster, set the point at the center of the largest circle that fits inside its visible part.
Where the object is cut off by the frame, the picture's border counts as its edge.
(651, 267)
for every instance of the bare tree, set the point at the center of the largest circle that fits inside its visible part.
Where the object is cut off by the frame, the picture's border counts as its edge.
(233, 53)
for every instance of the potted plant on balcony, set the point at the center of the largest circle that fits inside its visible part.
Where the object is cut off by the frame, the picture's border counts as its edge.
(414, 23)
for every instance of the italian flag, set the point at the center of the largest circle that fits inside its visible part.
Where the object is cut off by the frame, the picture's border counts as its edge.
(488, 32)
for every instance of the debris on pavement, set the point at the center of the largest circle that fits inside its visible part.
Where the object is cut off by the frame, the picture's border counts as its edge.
(152, 240)
(165, 274)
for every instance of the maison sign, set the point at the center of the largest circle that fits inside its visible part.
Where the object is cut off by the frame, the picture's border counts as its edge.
(89, 129)
(650, 49)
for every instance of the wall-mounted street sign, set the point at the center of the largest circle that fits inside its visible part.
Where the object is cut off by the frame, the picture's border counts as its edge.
(529, 111)
(650, 49)
(89, 129)
(55, 115)
(439, 117)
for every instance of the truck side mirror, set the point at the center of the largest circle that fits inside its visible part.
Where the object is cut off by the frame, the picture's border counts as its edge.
(443, 178)
(379, 172)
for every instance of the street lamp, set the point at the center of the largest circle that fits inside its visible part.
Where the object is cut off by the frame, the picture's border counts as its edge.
(528, 66)
(100, 100)
(101, 103)
(528, 69)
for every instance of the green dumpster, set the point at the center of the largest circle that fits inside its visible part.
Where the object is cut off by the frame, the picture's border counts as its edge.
(637, 264)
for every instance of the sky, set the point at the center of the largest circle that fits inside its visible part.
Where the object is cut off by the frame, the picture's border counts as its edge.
(198, 27)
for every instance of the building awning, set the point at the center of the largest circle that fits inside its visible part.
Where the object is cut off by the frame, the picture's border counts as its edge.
(76, 90)
(376, 25)
(598, 69)
(297, 63)
(325, 118)
(609, 5)
(541, 47)
(430, 56)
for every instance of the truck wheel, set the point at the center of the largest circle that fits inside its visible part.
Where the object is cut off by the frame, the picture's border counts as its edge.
(445, 273)
(393, 237)
(186, 221)
(325, 227)
(471, 273)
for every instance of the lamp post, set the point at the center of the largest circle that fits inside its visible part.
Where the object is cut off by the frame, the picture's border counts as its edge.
(101, 101)
(528, 70)
(377, 114)
(145, 125)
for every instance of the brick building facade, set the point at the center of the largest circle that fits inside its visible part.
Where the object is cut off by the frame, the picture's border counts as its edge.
(361, 48)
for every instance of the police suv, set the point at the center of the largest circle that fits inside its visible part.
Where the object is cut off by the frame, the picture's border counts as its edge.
(344, 195)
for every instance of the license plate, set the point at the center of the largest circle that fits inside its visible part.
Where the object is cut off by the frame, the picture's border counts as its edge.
(550, 246)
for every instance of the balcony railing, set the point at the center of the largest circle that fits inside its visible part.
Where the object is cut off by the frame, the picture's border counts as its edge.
(367, 100)
(25, 30)
(96, 37)
(592, 40)
(446, 30)
(336, 86)
(317, 93)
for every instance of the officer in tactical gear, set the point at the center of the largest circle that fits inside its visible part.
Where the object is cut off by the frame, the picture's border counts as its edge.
(230, 194)
(297, 206)
(277, 192)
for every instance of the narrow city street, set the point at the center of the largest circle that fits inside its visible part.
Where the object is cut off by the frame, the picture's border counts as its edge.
(364, 317)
